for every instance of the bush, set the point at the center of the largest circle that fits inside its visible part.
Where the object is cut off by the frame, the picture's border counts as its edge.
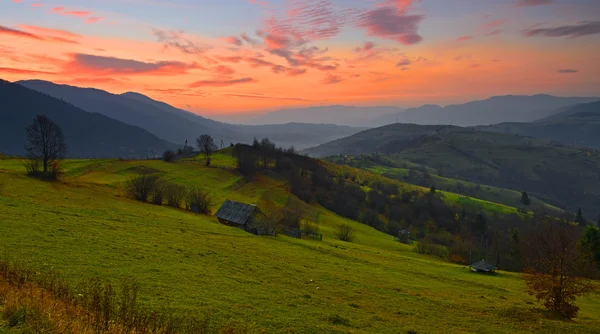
(345, 232)
(169, 156)
(158, 194)
(433, 250)
(174, 194)
(141, 187)
(198, 201)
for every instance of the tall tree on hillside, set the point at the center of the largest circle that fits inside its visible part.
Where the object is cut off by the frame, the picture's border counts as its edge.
(579, 219)
(267, 148)
(525, 199)
(207, 146)
(557, 267)
(45, 147)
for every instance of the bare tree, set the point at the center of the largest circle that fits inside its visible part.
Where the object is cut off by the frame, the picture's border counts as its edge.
(45, 148)
(557, 267)
(207, 146)
(345, 232)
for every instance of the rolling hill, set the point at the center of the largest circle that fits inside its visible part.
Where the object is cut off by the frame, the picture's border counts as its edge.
(563, 176)
(177, 126)
(575, 126)
(83, 227)
(87, 134)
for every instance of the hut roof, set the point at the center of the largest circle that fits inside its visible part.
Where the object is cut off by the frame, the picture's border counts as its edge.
(483, 266)
(235, 212)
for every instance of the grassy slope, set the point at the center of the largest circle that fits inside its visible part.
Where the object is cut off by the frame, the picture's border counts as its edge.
(505, 197)
(83, 227)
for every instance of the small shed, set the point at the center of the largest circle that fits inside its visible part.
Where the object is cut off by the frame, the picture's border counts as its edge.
(237, 214)
(404, 236)
(483, 267)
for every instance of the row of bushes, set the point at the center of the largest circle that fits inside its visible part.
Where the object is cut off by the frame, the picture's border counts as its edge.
(432, 250)
(151, 187)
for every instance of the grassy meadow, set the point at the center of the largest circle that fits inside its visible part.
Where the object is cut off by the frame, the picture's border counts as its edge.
(83, 226)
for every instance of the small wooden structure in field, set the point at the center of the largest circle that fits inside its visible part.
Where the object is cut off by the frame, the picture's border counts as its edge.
(241, 215)
(236, 214)
(404, 236)
(483, 267)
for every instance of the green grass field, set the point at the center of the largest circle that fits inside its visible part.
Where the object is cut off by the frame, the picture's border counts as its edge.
(507, 200)
(83, 227)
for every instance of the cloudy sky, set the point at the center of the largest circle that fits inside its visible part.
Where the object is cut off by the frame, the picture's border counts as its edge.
(231, 56)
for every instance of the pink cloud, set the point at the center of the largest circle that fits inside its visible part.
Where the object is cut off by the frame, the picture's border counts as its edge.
(531, 3)
(367, 47)
(233, 40)
(494, 24)
(465, 38)
(390, 23)
(331, 79)
(18, 33)
(48, 31)
(93, 19)
(223, 70)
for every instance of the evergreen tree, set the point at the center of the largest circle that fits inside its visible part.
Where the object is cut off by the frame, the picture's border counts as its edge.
(579, 219)
(525, 199)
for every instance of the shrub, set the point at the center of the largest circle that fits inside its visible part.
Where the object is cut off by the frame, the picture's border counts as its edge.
(433, 250)
(345, 232)
(174, 194)
(311, 230)
(198, 201)
(169, 156)
(141, 187)
(158, 194)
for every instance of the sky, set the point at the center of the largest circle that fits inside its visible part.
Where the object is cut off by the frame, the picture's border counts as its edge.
(227, 57)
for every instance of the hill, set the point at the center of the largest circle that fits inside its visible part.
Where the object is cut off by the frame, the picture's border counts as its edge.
(82, 227)
(87, 134)
(176, 125)
(563, 176)
(426, 177)
(497, 109)
(574, 126)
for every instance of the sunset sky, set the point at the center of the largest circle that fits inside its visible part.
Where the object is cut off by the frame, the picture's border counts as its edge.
(231, 56)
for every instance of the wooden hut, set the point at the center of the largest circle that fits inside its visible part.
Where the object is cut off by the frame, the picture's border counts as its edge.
(404, 236)
(237, 214)
(483, 267)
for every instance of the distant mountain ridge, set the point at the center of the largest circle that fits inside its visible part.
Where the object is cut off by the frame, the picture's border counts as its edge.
(577, 125)
(87, 134)
(497, 109)
(334, 114)
(177, 125)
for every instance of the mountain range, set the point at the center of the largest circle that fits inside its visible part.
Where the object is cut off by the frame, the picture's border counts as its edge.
(498, 109)
(176, 125)
(87, 134)
(575, 126)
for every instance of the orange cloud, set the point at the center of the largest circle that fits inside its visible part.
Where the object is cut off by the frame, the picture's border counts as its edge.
(101, 65)
(220, 83)
(48, 31)
(23, 71)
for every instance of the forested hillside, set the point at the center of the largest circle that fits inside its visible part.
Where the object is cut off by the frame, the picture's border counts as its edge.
(564, 176)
